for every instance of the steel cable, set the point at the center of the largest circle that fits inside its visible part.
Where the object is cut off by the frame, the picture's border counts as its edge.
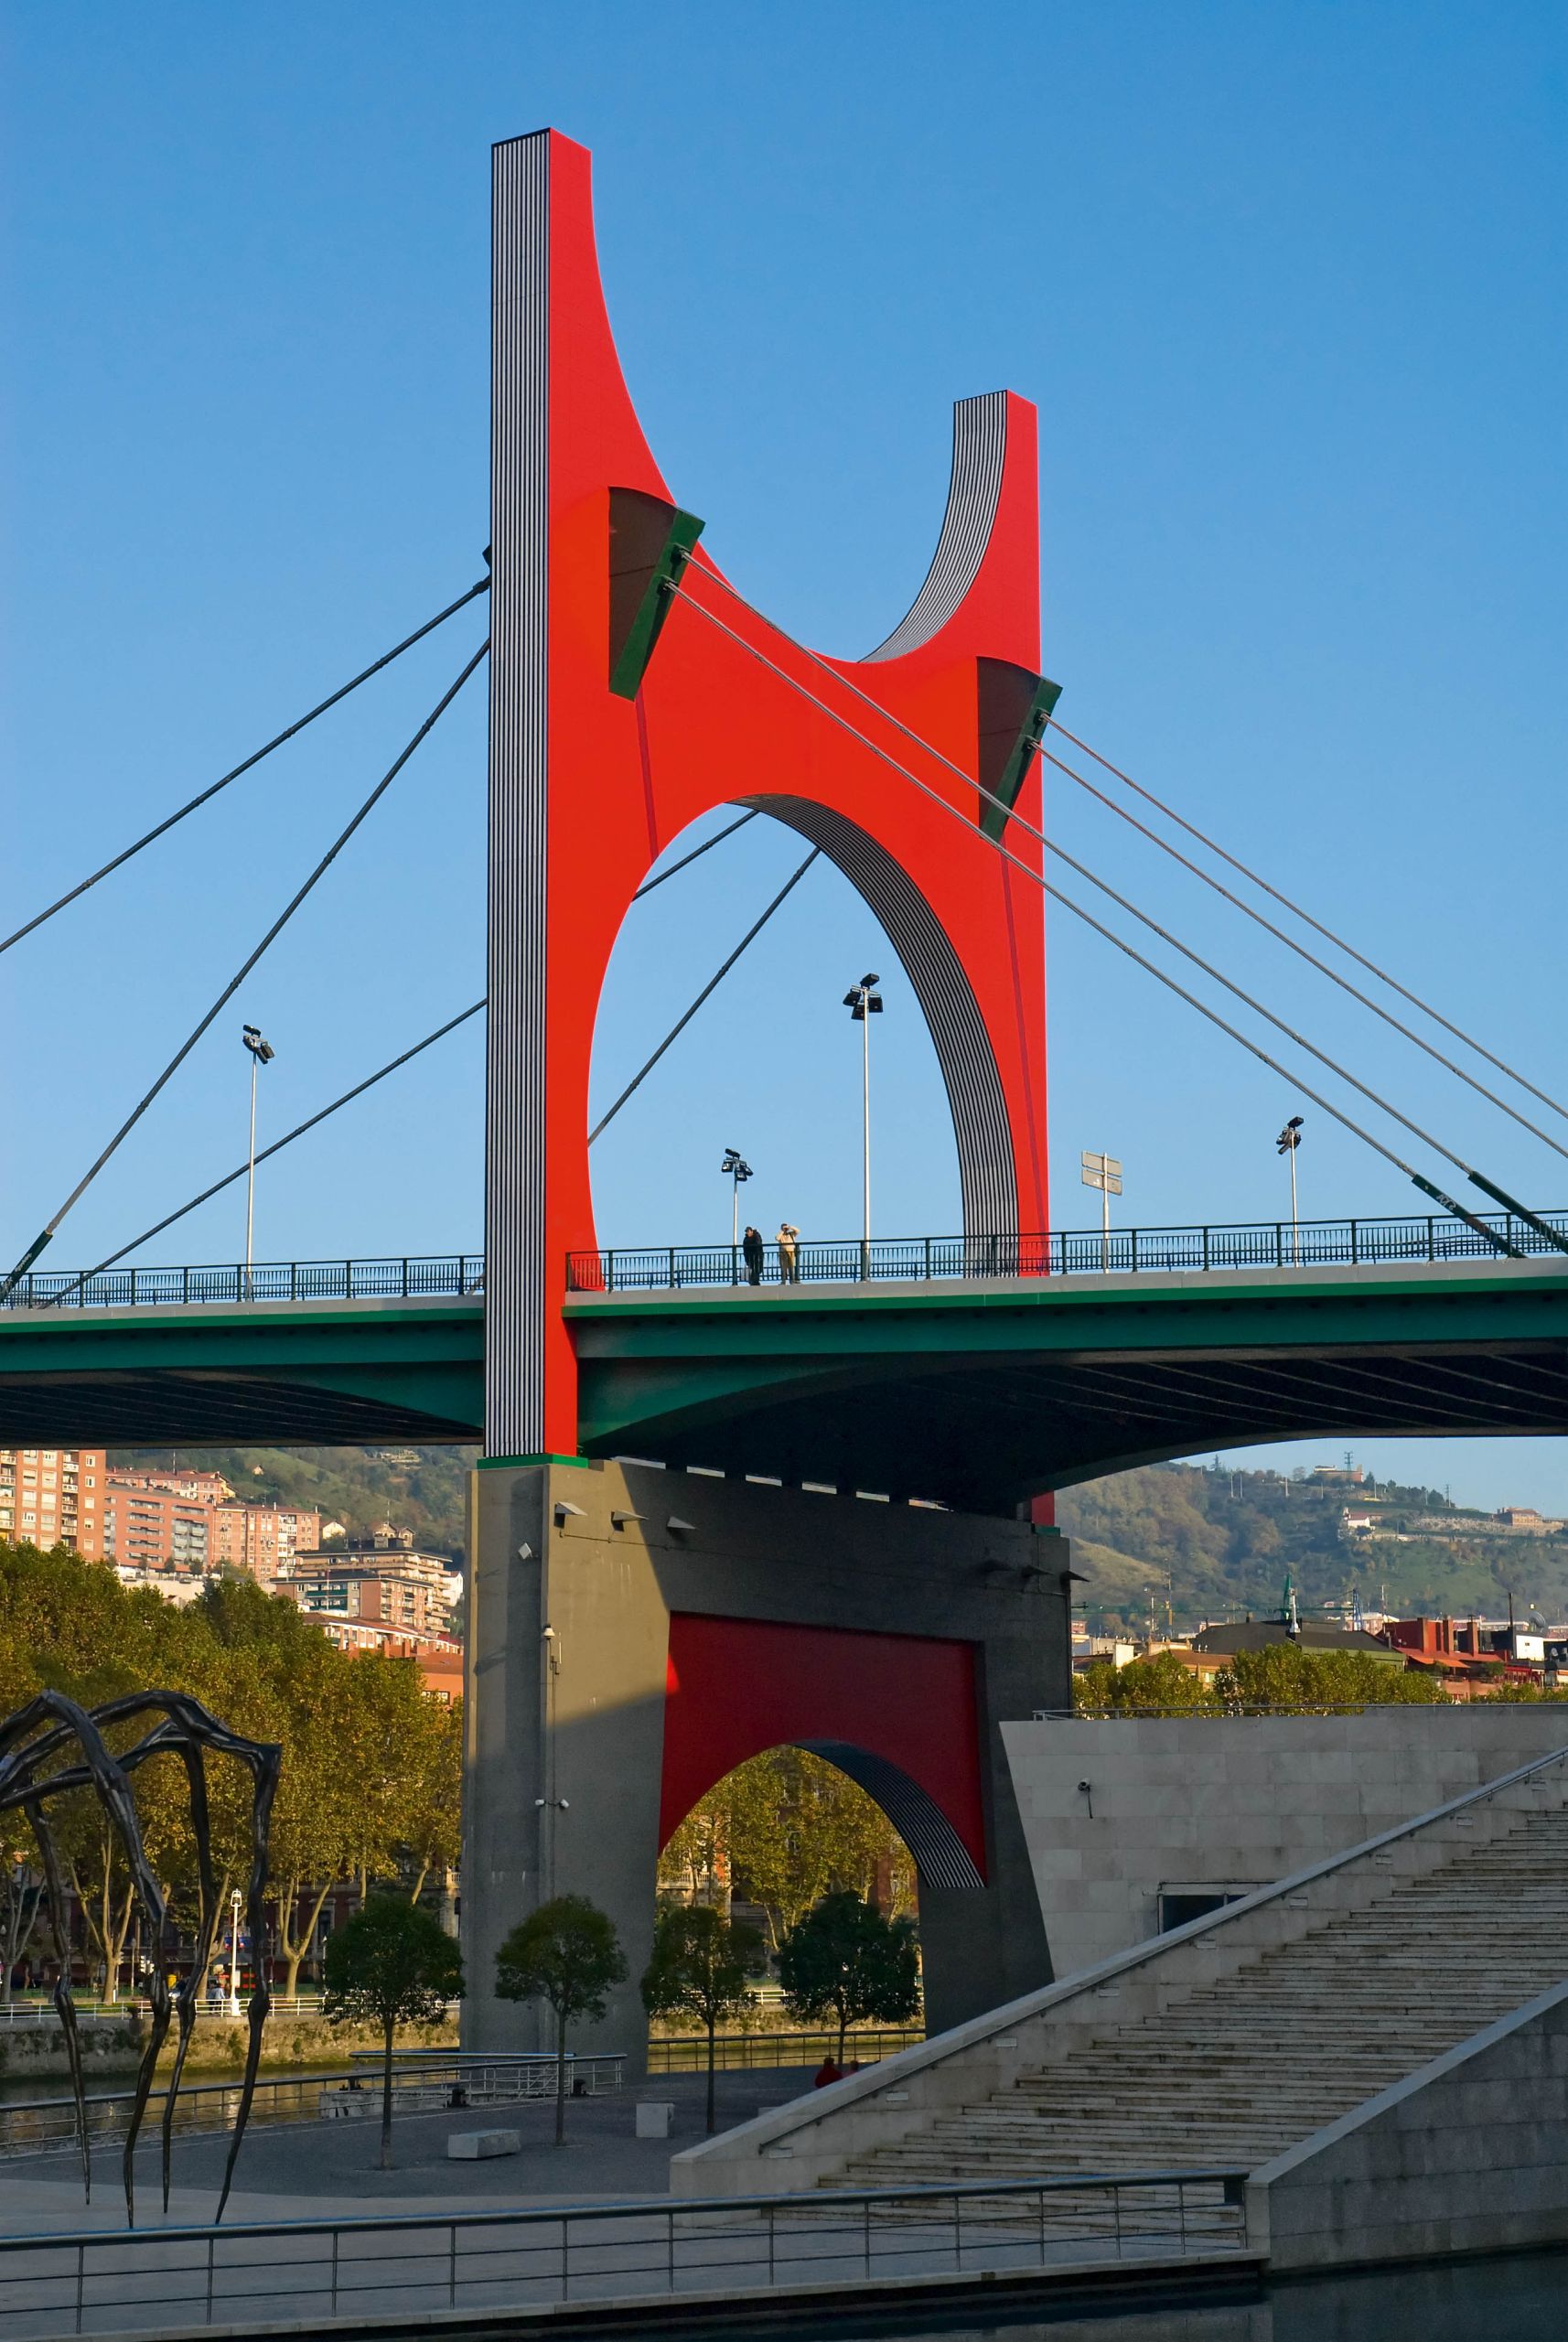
(58, 1299)
(1055, 895)
(289, 734)
(1317, 924)
(230, 988)
(712, 577)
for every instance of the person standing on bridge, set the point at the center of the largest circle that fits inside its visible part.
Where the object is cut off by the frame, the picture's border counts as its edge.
(789, 1237)
(752, 1249)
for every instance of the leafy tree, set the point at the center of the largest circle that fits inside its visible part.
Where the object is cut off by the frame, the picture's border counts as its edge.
(700, 1965)
(846, 1964)
(390, 1964)
(1146, 1686)
(567, 1953)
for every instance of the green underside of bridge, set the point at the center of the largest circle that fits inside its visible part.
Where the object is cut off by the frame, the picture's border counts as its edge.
(975, 1394)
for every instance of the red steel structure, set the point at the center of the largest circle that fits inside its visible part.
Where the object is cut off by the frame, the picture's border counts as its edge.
(620, 712)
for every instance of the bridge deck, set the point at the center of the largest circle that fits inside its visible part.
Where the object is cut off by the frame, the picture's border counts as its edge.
(971, 1390)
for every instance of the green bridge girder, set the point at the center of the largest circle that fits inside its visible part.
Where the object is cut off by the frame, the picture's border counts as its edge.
(973, 1394)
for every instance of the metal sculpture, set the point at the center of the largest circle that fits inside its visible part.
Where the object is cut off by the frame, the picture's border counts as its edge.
(33, 1743)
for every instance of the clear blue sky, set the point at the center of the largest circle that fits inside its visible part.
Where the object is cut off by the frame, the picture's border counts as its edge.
(1287, 286)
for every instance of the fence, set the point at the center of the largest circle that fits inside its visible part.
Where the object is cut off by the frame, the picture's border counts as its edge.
(259, 2273)
(1433, 1237)
(446, 1276)
(47, 2125)
(23, 2015)
(687, 2053)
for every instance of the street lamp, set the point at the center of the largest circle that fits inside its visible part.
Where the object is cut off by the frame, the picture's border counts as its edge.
(261, 1053)
(1102, 1171)
(735, 1168)
(863, 1004)
(1287, 1141)
(234, 1902)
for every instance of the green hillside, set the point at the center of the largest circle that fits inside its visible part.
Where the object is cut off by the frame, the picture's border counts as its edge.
(1211, 1543)
(1194, 1542)
(421, 1488)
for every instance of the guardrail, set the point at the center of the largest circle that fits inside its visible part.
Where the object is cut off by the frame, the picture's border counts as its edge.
(262, 2274)
(1431, 1238)
(687, 2053)
(47, 2125)
(450, 1276)
(24, 2015)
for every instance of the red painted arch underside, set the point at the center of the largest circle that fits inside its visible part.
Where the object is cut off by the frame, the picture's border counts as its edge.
(738, 1686)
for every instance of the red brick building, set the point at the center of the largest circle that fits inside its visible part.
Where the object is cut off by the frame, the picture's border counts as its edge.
(54, 1496)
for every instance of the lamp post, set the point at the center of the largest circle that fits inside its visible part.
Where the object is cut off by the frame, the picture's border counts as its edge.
(1102, 1171)
(1287, 1141)
(735, 1168)
(261, 1053)
(863, 1003)
(234, 1902)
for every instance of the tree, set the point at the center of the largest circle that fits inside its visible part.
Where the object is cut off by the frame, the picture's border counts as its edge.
(845, 1963)
(700, 1965)
(568, 1953)
(390, 1964)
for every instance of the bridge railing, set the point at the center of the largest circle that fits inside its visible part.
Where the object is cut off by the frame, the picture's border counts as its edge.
(1431, 1237)
(411, 1278)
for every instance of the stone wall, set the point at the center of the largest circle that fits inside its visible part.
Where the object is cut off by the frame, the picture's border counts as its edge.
(1232, 1800)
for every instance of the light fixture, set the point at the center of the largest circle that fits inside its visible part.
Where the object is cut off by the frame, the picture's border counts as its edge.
(619, 1520)
(680, 1527)
(565, 1511)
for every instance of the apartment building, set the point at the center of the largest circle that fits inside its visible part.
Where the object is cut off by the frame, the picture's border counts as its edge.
(54, 1496)
(151, 1528)
(263, 1541)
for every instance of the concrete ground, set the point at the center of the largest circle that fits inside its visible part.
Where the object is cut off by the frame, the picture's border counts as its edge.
(329, 2170)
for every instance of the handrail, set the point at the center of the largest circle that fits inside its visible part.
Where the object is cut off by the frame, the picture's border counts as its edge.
(973, 2033)
(623, 2256)
(1430, 1238)
(1411, 1239)
(413, 1277)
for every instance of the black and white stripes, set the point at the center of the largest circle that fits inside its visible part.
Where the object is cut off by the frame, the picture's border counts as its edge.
(978, 446)
(940, 1855)
(515, 1091)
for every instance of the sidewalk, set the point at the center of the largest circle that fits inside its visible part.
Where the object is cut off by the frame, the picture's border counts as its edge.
(328, 2170)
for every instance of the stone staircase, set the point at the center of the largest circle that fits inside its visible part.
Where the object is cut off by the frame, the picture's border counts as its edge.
(1236, 2071)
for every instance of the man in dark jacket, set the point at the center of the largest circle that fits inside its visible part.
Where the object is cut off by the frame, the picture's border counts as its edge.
(752, 1252)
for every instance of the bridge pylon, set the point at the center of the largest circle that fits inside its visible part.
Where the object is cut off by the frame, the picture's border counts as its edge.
(634, 1634)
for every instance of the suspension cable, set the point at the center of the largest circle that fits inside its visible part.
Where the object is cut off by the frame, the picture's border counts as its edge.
(1249, 911)
(230, 989)
(712, 577)
(1055, 895)
(57, 1300)
(696, 853)
(374, 669)
(1317, 924)
(712, 985)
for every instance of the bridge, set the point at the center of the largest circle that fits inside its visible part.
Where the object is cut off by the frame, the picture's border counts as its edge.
(633, 1635)
(970, 1371)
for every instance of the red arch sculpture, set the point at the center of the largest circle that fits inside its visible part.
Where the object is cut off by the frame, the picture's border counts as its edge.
(588, 784)
(897, 1712)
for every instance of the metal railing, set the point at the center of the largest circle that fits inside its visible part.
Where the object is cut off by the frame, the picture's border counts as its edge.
(687, 2053)
(262, 2274)
(1433, 1237)
(47, 2125)
(22, 2014)
(447, 1276)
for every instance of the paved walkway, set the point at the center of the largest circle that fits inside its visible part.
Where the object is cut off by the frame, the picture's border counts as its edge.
(328, 2170)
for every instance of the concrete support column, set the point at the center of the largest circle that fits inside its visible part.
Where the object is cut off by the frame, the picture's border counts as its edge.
(576, 1574)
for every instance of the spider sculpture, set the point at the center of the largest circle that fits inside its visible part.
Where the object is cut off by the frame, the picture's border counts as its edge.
(53, 1745)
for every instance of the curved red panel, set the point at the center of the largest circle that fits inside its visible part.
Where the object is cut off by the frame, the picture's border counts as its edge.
(585, 786)
(738, 1686)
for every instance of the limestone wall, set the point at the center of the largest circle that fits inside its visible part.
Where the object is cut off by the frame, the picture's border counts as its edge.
(1233, 1801)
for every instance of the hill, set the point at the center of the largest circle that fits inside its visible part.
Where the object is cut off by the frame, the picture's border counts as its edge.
(1193, 1541)
(1189, 1541)
(421, 1488)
